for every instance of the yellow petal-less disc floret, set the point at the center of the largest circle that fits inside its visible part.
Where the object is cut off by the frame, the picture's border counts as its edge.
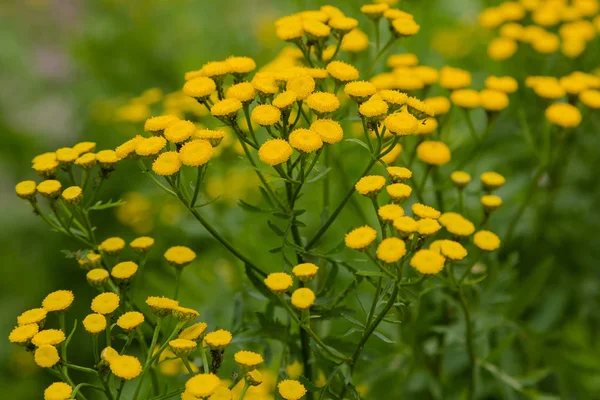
(315, 29)
(185, 314)
(302, 85)
(243, 91)
(52, 337)
(439, 104)
(150, 146)
(419, 108)
(97, 276)
(460, 178)
(456, 224)
(200, 87)
(84, 147)
(562, 114)
(46, 356)
(94, 323)
(49, 188)
(305, 271)
(427, 262)
(491, 202)
(180, 256)
(398, 191)
(125, 367)
(329, 131)
(59, 300)
(285, 100)
(182, 347)
(374, 108)
(105, 303)
(452, 250)
(402, 60)
(343, 24)
(194, 332)
(202, 385)
(466, 98)
(108, 158)
(161, 306)
(370, 185)
(248, 360)
(130, 320)
(405, 27)
(167, 163)
(323, 102)
(428, 226)
(124, 271)
(454, 78)
(112, 246)
(196, 153)
(23, 334)
(405, 225)
(142, 244)
(374, 11)
(303, 298)
(179, 131)
(33, 316)
(266, 115)
(393, 97)
(391, 250)
(216, 69)
(240, 65)
(291, 389)
(305, 140)
(26, 189)
(493, 100)
(213, 136)
(46, 168)
(360, 238)
(72, 194)
(424, 211)
(492, 180)
(159, 123)
(66, 155)
(360, 90)
(226, 108)
(486, 240)
(390, 212)
(428, 75)
(399, 174)
(590, 98)
(218, 339)
(401, 123)
(342, 71)
(506, 84)
(501, 48)
(108, 353)
(58, 391)
(433, 152)
(275, 151)
(279, 282)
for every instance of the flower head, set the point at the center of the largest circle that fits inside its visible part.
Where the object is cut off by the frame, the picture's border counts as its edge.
(58, 301)
(423, 211)
(58, 391)
(162, 306)
(108, 158)
(390, 212)
(142, 244)
(200, 87)
(23, 334)
(179, 131)
(105, 303)
(439, 104)
(305, 271)
(243, 92)
(112, 246)
(226, 108)
(427, 261)
(182, 347)
(398, 191)
(452, 250)
(196, 153)
(329, 131)
(460, 178)
(275, 151)
(493, 100)
(401, 123)
(46, 356)
(303, 298)
(360, 238)
(66, 155)
(360, 90)
(370, 185)
(405, 225)
(125, 367)
(562, 114)
(33, 316)
(202, 385)
(323, 102)
(240, 65)
(405, 27)
(150, 146)
(315, 29)
(492, 180)
(501, 48)
(194, 332)
(486, 240)
(454, 78)
(456, 224)
(506, 84)
(466, 98)
(291, 389)
(124, 271)
(97, 276)
(433, 152)
(342, 71)
(285, 100)
(266, 115)
(374, 108)
(248, 360)
(590, 98)
(167, 163)
(399, 174)
(428, 226)
(218, 339)
(53, 337)
(49, 188)
(374, 11)
(94, 323)
(213, 136)
(391, 250)
(180, 256)
(160, 123)
(26, 189)
(279, 282)
(491, 202)
(302, 86)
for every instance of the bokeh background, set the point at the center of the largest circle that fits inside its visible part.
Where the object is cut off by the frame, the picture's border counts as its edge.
(69, 70)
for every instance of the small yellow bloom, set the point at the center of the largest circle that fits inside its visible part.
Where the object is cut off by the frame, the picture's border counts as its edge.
(275, 151)
(58, 391)
(360, 238)
(342, 71)
(162, 306)
(88, 160)
(49, 188)
(72, 194)
(266, 115)
(214, 136)
(302, 85)
(303, 298)
(374, 11)
(562, 114)
(124, 271)
(179, 256)
(427, 262)
(200, 87)
(305, 140)
(285, 100)
(215, 69)
(202, 385)
(179, 131)
(105, 303)
(456, 224)
(279, 282)
(46, 356)
(125, 367)
(167, 163)
(53, 337)
(454, 78)
(23, 334)
(466, 98)
(398, 191)
(491, 202)
(405, 225)
(182, 347)
(492, 180)
(506, 84)
(329, 131)
(130, 320)
(112, 246)
(46, 168)
(194, 332)
(323, 102)
(428, 226)
(291, 389)
(160, 123)
(405, 27)
(243, 92)
(108, 158)
(94, 323)
(58, 301)
(452, 250)
(240, 65)
(391, 250)
(389, 212)
(590, 98)
(370, 185)
(486, 240)
(150, 146)
(26, 189)
(226, 108)
(315, 29)
(501, 48)
(433, 153)
(33, 316)
(374, 108)
(360, 90)
(66, 155)
(218, 339)
(419, 108)
(97, 276)
(142, 244)
(401, 123)
(423, 211)
(493, 100)
(355, 41)
(399, 174)
(248, 360)
(460, 178)
(305, 272)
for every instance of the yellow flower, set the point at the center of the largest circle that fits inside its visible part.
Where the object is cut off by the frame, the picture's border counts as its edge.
(342, 71)
(125, 367)
(390, 212)
(72, 194)
(402, 60)
(289, 30)
(433, 153)
(202, 385)
(53, 337)
(492, 180)
(393, 97)
(547, 87)
(493, 100)
(33, 316)
(23, 334)
(26, 189)
(562, 114)
(275, 151)
(162, 306)
(501, 48)
(200, 87)
(399, 174)
(108, 353)
(49, 188)
(393, 155)
(194, 332)
(88, 160)
(58, 301)
(248, 360)
(58, 391)
(329, 131)
(123, 151)
(506, 84)
(97, 276)
(486, 240)
(452, 250)
(355, 41)
(160, 123)
(305, 272)
(179, 131)
(428, 75)
(427, 262)
(405, 225)
(460, 178)
(466, 98)
(590, 98)
(454, 78)
(423, 211)
(124, 271)
(405, 27)
(427, 126)
(428, 226)
(398, 191)
(294, 370)
(303, 298)
(44, 157)
(66, 155)
(491, 202)
(195, 153)
(374, 11)
(391, 250)
(360, 90)
(105, 303)
(370, 185)
(226, 108)
(240, 65)
(305, 140)
(315, 29)
(112, 245)
(46, 168)
(108, 158)
(216, 69)
(179, 256)
(94, 323)
(279, 282)
(401, 123)
(323, 102)
(214, 136)
(150, 146)
(302, 85)
(266, 115)
(285, 100)
(291, 389)
(142, 244)
(182, 347)
(46, 356)
(317, 73)
(419, 108)
(243, 92)
(130, 320)
(456, 224)
(373, 108)
(218, 339)
(360, 238)
(166, 164)
(546, 43)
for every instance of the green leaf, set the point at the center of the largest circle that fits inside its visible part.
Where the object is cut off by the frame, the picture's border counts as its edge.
(330, 282)
(251, 208)
(311, 387)
(271, 327)
(258, 283)
(319, 176)
(371, 273)
(208, 202)
(103, 206)
(359, 142)
(383, 337)
(71, 334)
(352, 320)
(475, 281)
(275, 229)
(266, 196)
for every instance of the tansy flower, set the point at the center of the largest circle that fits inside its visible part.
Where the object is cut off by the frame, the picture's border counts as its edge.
(278, 282)
(200, 87)
(501, 48)
(97, 276)
(46, 356)
(390, 212)
(454, 78)
(405, 225)
(323, 102)
(506, 84)
(195, 153)
(160, 123)
(355, 41)
(294, 370)
(213, 136)
(460, 178)
(185, 314)
(549, 88)
(423, 211)
(89, 260)
(305, 271)
(305, 140)
(240, 65)
(456, 224)
(428, 75)
(562, 114)
(360, 238)
(393, 154)
(329, 131)
(94, 323)
(226, 108)
(360, 90)
(315, 29)
(161, 306)
(108, 353)
(374, 11)
(405, 27)
(285, 100)
(58, 301)
(49, 188)
(302, 85)
(265, 83)
(370, 185)
(342, 71)
(266, 115)
(486, 240)
(398, 191)
(428, 226)
(125, 150)
(167, 163)
(493, 100)
(179, 256)
(142, 244)
(124, 271)
(58, 391)
(150, 146)
(452, 250)
(399, 174)
(303, 298)
(402, 60)
(491, 202)
(393, 97)
(433, 153)
(46, 168)
(182, 347)
(216, 69)
(33, 316)
(343, 24)
(218, 339)
(492, 180)
(112, 245)
(105, 303)
(44, 157)
(391, 250)
(194, 332)
(26, 189)
(179, 131)
(108, 158)
(419, 109)
(427, 262)
(202, 385)
(243, 92)
(427, 126)
(23, 334)
(546, 43)
(66, 155)
(52, 337)
(275, 151)
(373, 108)
(84, 147)
(248, 360)
(317, 73)
(590, 98)
(466, 98)
(125, 367)
(291, 389)
(401, 123)
(72, 194)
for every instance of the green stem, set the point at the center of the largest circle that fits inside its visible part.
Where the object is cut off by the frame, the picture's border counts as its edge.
(469, 342)
(205, 365)
(178, 272)
(244, 390)
(197, 187)
(187, 365)
(472, 130)
(120, 389)
(533, 187)
(149, 356)
(381, 53)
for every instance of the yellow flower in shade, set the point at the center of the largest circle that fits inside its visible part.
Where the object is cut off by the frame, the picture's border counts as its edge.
(108, 353)
(506, 84)
(486, 240)
(179, 256)
(492, 180)
(66, 155)
(108, 158)
(279, 282)
(105, 303)
(194, 332)
(433, 153)
(240, 65)
(427, 262)
(452, 250)
(562, 114)
(44, 157)
(390, 212)
(501, 48)
(166, 164)
(243, 92)
(428, 75)
(23, 334)
(182, 347)
(329, 131)
(202, 385)
(360, 238)
(302, 85)
(52, 337)
(399, 174)
(130, 320)
(265, 83)
(49, 188)
(428, 226)
(393, 155)
(391, 250)
(58, 391)
(343, 24)
(323, 102)
(456, 224)
(150, 146)
(398, 191)
(303, 298)
(33, 316)
(370, 185)
(185, 314)
(94, 323)
(573, 84)
(160, 123)
(26, 189)
(291, 389)
(142, 244)
(342, 71)
(84, 147)
(546, 43)
(97, 276)
(405, 27)
(179, 131)
(315, 29)
(266, 115)
(466, 98)
(88, 160)
(423, 211)
(125, 367)
(401, 123)
(427, 126)
(419, 108)
(360, 90)
(112, 246)
(317, 73)
(275, 151)
(405, 225)
(72, 194)
(214, 136)
(590, 98)
(548, 88)
(285, 100)
(46, 356)
(124, 271)
(374, 108)
(491, 202)
(218, 339)
(199, 87)
(493, 100)
(305, 140)
(195, 153)
(226, 108)
(374, 11)
(460, 178)
(294, 370)
(58, 301)
(454, 78)
(305, 272)
(161, 306)
(46, 168)
(248, 360)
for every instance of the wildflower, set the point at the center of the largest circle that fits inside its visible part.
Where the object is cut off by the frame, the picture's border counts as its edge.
(185, 314)
(370, 185)
(72, 194)
(393, 154)
(305, 140)
(433, 152)
(401, 123)
(456, 224)
(315, 29)
(402, 60)
(199, 88)
(49, 188)
(194, 154)
(161, 306)
(58, 391)
(275, 151)
(226, 108)
(96, 277)
(202, 385)
(492, 180)
(44, 157)
(491, 202)
(329, 131)
(323, 102)
(428, 75)
(160, 123)
(247, 360)
(590, 98)
(506, 84)
(466, 98)
(428, 226)
(46, 356)
(33, 316)
(562, 114)
(390, 212)
(360, 90)
(305, 272)
(501, 48)
(58, 301)
(452, 250)
(105, 303)
(398, 191)
(427, 262)
(343, 24)
(374, 108)
(486, 240)
(182, 347)
(124, 271)
(393, 97)
(125, 367)
(278, 282)
(405, 27)
(126, 149)
(291, 389)
(52, 337)
(166, 164)
(94, 323)
(303, 298)
(374, 11)
(460, 178)
(302, 86)
(130, 320)
(108, 353)
(66, 155)
(216, 69)
(218, 339)
(26, 189)
(423, 211)
(493, 100)
(285, 100)
(399, 174)
(142, 244)
(391, 250)
(360, 238)
(491, 18)
(454, 78)
(213, 136)
(428, 125)
(240, 65)
(88, 160)
(112, 246)
(548, 88)
(108, 158)
(546, 43)
(150, 146)
(266, 115)
(179, 131)
(23, 334)
(342, 71)
(46, 168)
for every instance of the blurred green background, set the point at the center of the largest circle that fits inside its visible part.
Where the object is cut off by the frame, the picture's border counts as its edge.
(66, 65)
